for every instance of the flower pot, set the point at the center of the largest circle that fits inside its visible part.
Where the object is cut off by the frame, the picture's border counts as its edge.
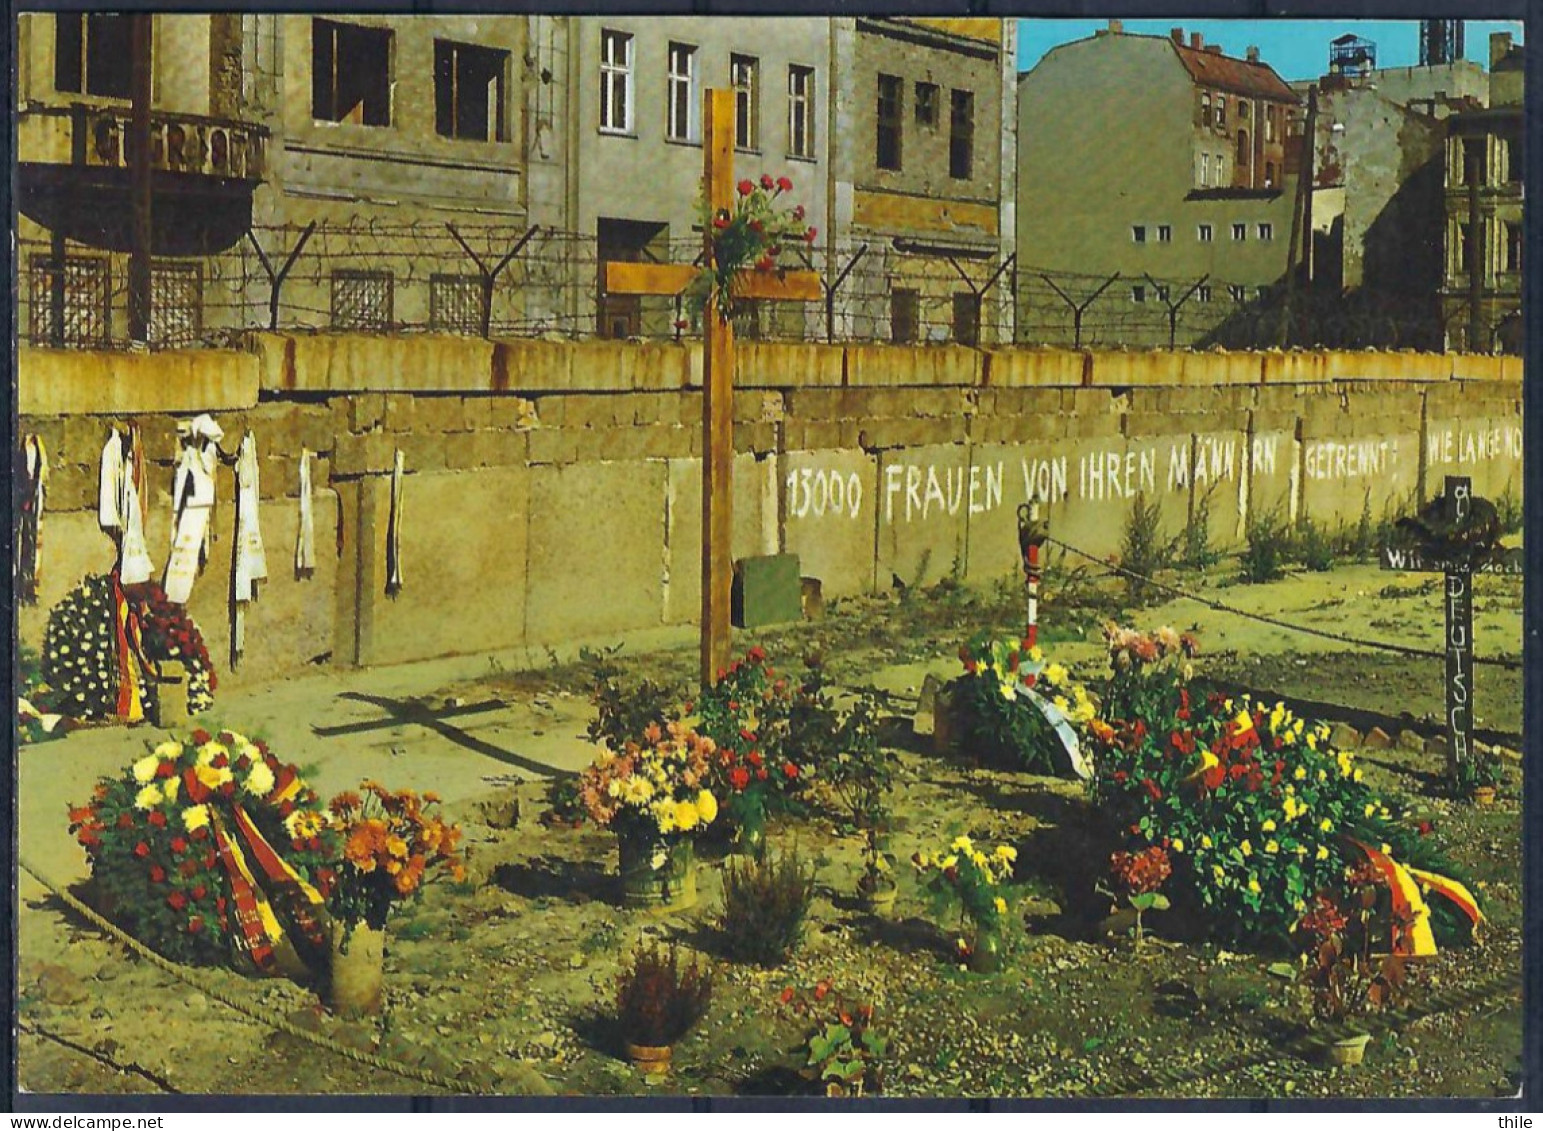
(170, 700)
(1348, 1051)
(1483, 796)
(651, 1060)
(986, 952)
(356, 970)
(655, 872)
(878, 900)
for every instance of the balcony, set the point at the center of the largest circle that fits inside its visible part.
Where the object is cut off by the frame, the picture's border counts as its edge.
(74, 176)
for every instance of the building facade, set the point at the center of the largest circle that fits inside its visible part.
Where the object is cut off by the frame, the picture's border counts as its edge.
(1160, 170)
(1481, 293)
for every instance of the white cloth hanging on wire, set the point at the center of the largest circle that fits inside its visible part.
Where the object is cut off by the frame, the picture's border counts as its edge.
(121, 503)
(251, 565)
(305, 540)
(394, 530)
(192, 505)
(29, 539)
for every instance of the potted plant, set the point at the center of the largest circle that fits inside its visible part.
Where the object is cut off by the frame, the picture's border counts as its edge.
(392, 846)
(845, 1053)
(1340, 969)
(859, 773)
(653, 795)
(971, 879)
(658, 1001)
(1477, 777)
(1137, 876)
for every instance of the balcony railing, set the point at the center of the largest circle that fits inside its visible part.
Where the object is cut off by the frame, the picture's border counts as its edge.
(99, 137)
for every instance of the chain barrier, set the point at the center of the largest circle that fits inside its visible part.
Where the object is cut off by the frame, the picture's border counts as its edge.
(1507, 662)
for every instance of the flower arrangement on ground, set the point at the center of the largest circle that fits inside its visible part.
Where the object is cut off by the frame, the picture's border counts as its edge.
(80, 651)
(1138, 876)
(1477, 777)
(209, 848)
(167, 633)
(859, 773)
(753, 235)
(1000, 723)
(1255, 807)
(971, 880)
(659, 1000)
(654, 794)
(392, 844)
(1338, 941)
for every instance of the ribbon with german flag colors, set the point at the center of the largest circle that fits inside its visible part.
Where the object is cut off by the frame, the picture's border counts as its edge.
(257, 930)
(300, 903)
(1411, 933)
(130, 706)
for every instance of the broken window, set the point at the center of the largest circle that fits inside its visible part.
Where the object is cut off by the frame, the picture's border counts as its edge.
(350, 73)
(927, 104)
(961, 134)
(966, 325)
(890, 94)
(681, 113)
(745, 76)
(361, 300)
(469, 91)
(801, 111)
(615, 82)
(904, 314)
(93, 54)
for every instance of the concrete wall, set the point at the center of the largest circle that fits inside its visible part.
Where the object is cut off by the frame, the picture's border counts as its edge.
(552, 489)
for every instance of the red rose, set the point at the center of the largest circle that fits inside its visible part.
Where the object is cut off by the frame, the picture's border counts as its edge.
(200, 891)
(745, 188)
(177, 900)
(811, 234)
(767, 182)
(220, 762)
(314, 844)
(739, 777)
(760, 775)
(125, 820)
(798, 212)
(200, 736)
(157, 818)
(787, 994)
(219, 904)
(201, 833)
(790, 770)
(166, 770)
(141, 850)
(785, 184)
(188, 869)
(157, 874)
(297, 844)
(228, 789)
(756, 654)
(179, 845)
(754, 758)
(195, 924)
(208, 860)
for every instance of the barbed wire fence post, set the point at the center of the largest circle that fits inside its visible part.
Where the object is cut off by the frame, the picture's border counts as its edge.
(1162, 292)
(276, 278)
(490, 276)
(1077, 308)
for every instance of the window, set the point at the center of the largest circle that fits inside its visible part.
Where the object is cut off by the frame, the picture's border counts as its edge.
(1235, 292)
(1269, 123)
(684, 101)
(361, 300)
(1267, 231)
(1221, 113)
(1242, 110)
(92, 54)
(801, 111)
(1244, 154)
(904, 314)
(615, 82)
(1240, 231)
(966, 325)
(176, 302)
(1164, 233)
(1138, 233)
(1138, 293)
(1473, 161)
(350, 73)
(1162, 292)
(887, 155)
(1465, 247)
(469, 91)
(745, 75)
(1513, 246)
(927, 104)
(1205, 107)
(1269, 174)
(69, 307)
(961, 134)
(1203, 233)
(1203, 292)
(1205, 170)
(455, 304)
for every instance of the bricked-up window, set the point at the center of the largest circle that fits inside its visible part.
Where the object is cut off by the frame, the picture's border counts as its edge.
(455, 304)
(745, 77)
(176, 303)
(69, 308)
(927, 104)
(1513, 246)
(92, 54)
(966, 326)
(961, 135)
(350, 73)
(682, 113)
(904, 314)
(361, 300)
(615, 82)
(891, 92)
(469, 91)
(801, 111)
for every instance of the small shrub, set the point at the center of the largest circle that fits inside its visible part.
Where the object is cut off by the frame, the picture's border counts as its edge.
(1314, 548)
(622, 714)
(659, 999)
(1143, 550)
(765, 903)
(1362, 542)
(1197, 551)
(1268, 541)
(1509, 510)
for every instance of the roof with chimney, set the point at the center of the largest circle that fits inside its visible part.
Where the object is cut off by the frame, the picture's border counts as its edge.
(1207, 66)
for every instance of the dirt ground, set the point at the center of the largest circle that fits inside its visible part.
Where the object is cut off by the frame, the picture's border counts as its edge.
(504, 984)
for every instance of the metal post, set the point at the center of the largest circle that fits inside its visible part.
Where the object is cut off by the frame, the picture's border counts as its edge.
(140, 174)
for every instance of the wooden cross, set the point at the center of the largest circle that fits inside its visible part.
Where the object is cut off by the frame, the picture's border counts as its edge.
(1458, 601)
(718, 371)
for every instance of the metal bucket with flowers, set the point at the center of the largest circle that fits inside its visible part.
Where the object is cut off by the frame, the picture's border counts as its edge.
(653, 795)
(972, 881)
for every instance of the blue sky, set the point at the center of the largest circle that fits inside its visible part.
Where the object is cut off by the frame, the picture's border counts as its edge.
(1297, 49)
